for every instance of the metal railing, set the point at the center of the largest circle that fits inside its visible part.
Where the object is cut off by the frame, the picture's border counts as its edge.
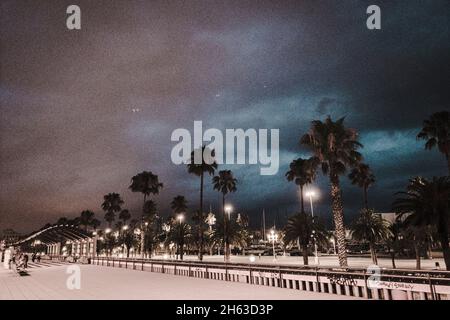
(389, 283)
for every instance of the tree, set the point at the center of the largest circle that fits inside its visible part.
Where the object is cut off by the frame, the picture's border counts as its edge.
(335, 148)
(124, 215)
(146, 183)
(179, 204)
(363, 177)
(371, 228)
(231, 230)
(206, 165)
(225, 183)
(179, 231)
(426, 203)
(86, 218)
(300, 229)
(436, 130)
(302, 172)
(62, 221)
(111, 204)
(393, 240)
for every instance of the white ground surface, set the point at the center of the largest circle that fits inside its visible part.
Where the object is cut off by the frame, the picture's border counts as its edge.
(97, 282)
(325, 261)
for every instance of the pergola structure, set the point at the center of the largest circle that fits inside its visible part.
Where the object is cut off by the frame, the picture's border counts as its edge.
(58, 238)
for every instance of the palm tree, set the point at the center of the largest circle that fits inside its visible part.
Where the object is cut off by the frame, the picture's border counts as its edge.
(232, 231)
(125, 215)
(86, 218)
(178, 232)
(111, 204)
(225, 183)
(300, 229)
(146, 183)
(363, 177)
(95, 223)
(179, 204)
(335, 148)
(199, 169)
(302, 172)
(393, 240)
(436, 130)
(371, 228)
(426, 203)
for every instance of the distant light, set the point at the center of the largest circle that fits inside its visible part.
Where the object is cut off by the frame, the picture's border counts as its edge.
(165, 256)
(228, 208)
(252, 258)
(180, 217)
(125, 227)
(108, 230)
(94, 233)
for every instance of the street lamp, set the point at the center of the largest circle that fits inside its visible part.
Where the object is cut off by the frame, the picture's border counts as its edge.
(272, 236)
(125, 227)
(227, 209)
(108, 230)
(180, 218)
(312, 194)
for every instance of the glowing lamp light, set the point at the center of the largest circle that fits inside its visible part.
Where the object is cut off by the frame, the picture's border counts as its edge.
(252, 258)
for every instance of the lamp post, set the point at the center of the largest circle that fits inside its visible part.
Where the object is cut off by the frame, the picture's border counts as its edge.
(312, 194)
(272, 236)
(226, 218)
(180, 219)
(211, 220)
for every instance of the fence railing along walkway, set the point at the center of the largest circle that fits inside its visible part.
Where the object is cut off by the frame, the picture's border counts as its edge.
(388, 284)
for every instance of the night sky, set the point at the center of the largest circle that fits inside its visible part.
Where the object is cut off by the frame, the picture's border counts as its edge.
(69, 134)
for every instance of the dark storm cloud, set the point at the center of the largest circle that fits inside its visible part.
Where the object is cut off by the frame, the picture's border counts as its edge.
(68, 133)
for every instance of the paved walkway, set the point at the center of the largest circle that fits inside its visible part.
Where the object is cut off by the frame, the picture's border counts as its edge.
(99, 282)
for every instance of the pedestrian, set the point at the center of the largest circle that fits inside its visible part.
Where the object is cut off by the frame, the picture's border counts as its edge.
(25, 261)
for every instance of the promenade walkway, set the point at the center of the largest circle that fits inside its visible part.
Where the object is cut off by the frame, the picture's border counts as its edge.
(49, 282)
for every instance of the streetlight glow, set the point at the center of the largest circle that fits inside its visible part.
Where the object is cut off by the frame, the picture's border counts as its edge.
(180, 218)
(108, 230)
(228, 208)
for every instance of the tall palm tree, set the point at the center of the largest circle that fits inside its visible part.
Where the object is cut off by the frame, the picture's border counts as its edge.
(363, 177)
(86, 218)
(207, 166)
(146, 183)
(371, 228)
(426, 203)
(300, 229)
(179, 204)
(112, 203)
(335, 148)
(225, 183)
(125, 215)
(302, 172)
(436, 130)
